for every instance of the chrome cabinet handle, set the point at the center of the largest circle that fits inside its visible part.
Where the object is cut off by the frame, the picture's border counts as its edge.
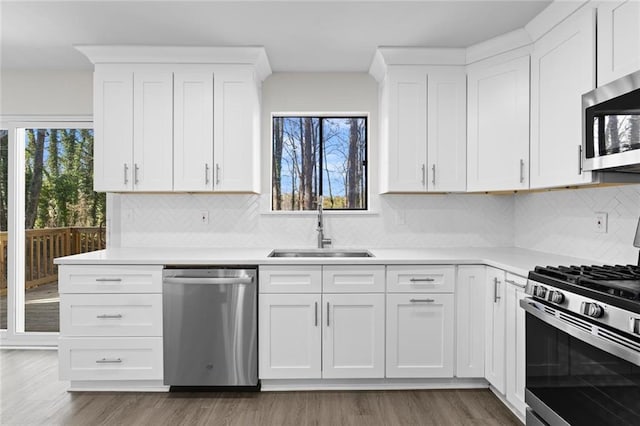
(109, 361)
(126, 173)
(135, 173)
(421, 300)
(108, 279)
(521, 170)
(433, 174)
(423, 175)
(217, 174)
(206, 173)
(514, 283)
(416, 280)
(105, 316)
(495, 290)
(316, 323)
(327, 314)
(579, 159)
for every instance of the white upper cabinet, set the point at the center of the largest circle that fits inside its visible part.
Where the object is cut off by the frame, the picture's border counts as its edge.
(152, 130)
(498, 125)
(422, 120)
(446, 129)
(236, 131)
(193, 131)
(562, 69)
(113, 126)
(618, 39)
(197, 132)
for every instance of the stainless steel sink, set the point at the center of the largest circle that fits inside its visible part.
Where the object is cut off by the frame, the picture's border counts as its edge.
(320, 253)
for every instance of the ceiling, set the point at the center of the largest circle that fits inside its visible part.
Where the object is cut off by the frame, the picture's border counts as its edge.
(298, 35)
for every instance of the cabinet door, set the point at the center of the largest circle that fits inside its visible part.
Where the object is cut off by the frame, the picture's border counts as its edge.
(562, 69)
(193, 132)
(236, 130)
(290, 336)
(494, 367)
(498, 126)
(406, 143)
(420, 335)
(470, 317)
(515, 345)
(446, 129)
(618, 39)
(353, 343)
(153, 131)
(113, 123)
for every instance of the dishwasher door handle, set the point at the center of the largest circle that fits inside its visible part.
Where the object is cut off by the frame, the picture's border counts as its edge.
(205, 280)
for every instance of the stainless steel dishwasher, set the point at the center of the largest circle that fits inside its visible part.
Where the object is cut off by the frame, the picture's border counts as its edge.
(210, 327)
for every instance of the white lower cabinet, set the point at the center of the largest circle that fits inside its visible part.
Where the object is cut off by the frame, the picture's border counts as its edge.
(515, 342)
(111, 325)
(470, 317)
(290, 336)
(420, 329)
(353, 344)
(494, 366)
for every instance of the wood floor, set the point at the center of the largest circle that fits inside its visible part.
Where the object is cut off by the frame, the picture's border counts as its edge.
(30, 393)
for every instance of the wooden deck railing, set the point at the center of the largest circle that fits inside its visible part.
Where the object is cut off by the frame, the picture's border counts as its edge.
(44, 245)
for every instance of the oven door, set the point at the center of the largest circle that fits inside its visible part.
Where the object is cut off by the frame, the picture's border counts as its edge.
(577, 372)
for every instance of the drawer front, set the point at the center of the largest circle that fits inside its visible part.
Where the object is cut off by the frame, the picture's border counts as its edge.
(353, 279)
(290, 279)
(421, 279)
(110, 279)
(110, 358)
(111, 315)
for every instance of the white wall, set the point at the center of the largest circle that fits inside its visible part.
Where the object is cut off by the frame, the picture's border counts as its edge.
(46, 92)
(562, 222)
(243, 220)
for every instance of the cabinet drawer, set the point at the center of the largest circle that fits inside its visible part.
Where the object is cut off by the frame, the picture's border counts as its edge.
(111, 315)
(353, 279)
(290, 279)
(426, 279)
(110, 358)
(110, 279)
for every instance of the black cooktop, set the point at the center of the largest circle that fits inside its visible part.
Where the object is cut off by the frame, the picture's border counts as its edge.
(618, 285)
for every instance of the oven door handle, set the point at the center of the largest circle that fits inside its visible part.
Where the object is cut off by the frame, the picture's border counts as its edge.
(600, 338)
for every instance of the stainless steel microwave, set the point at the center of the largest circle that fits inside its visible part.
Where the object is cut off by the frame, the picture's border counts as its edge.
(611, 126)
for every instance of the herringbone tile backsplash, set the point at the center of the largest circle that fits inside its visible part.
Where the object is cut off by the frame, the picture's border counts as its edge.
(562, 222)
(150, 220)
(559, 222)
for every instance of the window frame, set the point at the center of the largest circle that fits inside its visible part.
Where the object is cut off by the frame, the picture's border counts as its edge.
(367, 175)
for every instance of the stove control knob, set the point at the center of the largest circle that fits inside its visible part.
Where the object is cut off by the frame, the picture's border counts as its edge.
(592, 310)
(556, 297)
(540, 292)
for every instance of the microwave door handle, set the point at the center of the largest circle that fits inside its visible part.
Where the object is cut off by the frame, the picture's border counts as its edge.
(538, 310)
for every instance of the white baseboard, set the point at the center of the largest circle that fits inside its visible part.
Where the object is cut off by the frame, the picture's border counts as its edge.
(118, 386)
(371, 384)
(503, 399)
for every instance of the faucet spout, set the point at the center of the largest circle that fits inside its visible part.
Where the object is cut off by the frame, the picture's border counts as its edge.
(322, 241)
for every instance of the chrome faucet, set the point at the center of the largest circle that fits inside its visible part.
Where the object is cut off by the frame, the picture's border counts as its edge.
(322, 241)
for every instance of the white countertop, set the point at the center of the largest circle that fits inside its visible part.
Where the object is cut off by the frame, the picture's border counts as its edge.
(516, 260)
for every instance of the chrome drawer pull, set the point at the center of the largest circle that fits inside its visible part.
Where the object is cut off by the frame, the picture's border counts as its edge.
(514, 283)
(105, 316)
(416, 280)
(115, 280)
(421, 300)
(109, 361)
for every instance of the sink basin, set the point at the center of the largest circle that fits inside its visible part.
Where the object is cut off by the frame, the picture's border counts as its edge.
(320, 253)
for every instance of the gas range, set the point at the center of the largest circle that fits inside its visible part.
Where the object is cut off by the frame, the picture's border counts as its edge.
(608, 294)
